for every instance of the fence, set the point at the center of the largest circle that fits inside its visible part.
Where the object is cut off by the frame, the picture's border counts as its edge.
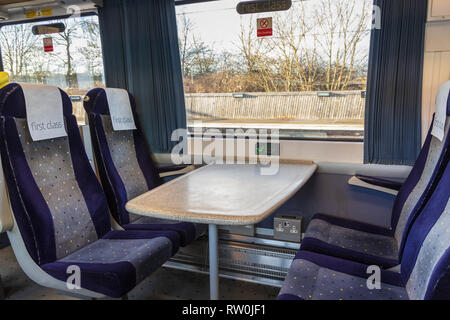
(339, 106)
(332, 107)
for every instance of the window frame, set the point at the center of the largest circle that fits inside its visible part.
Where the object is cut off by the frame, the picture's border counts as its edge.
(360, 140)
(43, 19)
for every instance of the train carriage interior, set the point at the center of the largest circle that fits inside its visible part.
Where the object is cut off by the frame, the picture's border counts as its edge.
(260, 150)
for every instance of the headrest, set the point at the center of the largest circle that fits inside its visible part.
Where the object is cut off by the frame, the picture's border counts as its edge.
(96, 101)
(12, 102)
(442, 110)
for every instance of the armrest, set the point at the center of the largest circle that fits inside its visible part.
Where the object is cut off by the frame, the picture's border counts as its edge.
(385, 183)
(174, 170)
(354, 181)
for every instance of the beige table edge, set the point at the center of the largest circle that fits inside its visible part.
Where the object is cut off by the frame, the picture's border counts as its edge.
(214, 218)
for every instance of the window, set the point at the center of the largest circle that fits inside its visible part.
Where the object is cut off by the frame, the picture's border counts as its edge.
(75, 64)
(308, 79)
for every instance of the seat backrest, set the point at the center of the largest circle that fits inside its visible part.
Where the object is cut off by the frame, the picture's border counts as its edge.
(420, 183)
(57, 201)
(425, 266)
(123, 159)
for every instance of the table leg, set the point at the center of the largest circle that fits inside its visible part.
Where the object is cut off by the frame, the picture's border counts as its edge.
(213, 262)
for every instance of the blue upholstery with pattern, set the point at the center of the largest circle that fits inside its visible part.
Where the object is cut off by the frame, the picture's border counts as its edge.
(375, 245)
(313, 276)
(127, 170)
(61, 210)
(348, 240)
(425, 264)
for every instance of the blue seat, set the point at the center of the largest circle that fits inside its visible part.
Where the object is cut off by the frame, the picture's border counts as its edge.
(128, 171)
(424, 271)
(60, 211)
(376, 245)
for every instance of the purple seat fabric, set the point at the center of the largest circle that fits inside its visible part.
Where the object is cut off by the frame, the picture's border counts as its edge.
(351, 240)
(127, 170)
(314, 276)
(114, 264)
(425, 263)
(60, 208)
(375, 245)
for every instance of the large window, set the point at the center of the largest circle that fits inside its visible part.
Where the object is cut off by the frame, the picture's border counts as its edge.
(74, 64)
(307, 79)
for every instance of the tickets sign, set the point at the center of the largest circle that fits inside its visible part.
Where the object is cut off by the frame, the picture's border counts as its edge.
(264, 27)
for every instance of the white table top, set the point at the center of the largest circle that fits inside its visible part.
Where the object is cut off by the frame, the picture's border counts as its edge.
(225, 194)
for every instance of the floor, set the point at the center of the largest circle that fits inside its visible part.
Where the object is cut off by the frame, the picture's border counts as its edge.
(163, 284)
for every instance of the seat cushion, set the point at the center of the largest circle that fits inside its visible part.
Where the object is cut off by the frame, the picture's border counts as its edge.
(313, 276)
(187, 231)
(351, 240)
(114, 264)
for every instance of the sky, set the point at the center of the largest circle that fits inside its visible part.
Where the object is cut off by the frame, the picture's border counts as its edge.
(217, 22)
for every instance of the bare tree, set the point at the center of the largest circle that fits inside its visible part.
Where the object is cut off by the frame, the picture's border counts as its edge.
(17, 43)
(92, 52)
(40, 65)
(185, 43)
(343, 27)
(259, 65)
(65, 39)
(318, 45)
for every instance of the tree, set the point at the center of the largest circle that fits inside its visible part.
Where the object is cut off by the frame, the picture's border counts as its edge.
(92, 52)
(344, 27)
(17, 44)
(316, 45)
(39, 68)
(259, 70)
(185, 45)
(65, 39)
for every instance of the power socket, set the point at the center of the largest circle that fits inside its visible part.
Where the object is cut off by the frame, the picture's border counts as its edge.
(287, 227)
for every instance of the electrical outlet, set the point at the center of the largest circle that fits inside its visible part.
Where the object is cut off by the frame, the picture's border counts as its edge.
(287, 227)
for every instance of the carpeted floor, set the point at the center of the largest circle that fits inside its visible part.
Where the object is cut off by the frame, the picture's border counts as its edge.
(163, 284)
(4, 242)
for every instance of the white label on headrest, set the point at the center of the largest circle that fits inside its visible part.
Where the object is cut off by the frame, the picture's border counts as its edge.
(44, 108)
(120, 109)
(441, 111)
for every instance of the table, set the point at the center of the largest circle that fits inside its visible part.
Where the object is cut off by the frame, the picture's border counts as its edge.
(223, 194)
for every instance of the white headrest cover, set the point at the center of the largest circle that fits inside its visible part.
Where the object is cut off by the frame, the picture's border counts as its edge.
(44, 108)
(120, 109)
(441, 111)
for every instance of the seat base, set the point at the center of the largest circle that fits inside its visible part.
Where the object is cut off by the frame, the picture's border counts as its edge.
(351, 240)
(313, 276)
(114, 264)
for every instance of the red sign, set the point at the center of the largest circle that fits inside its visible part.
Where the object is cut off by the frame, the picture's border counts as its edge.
(264, 27)
(48, 44)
